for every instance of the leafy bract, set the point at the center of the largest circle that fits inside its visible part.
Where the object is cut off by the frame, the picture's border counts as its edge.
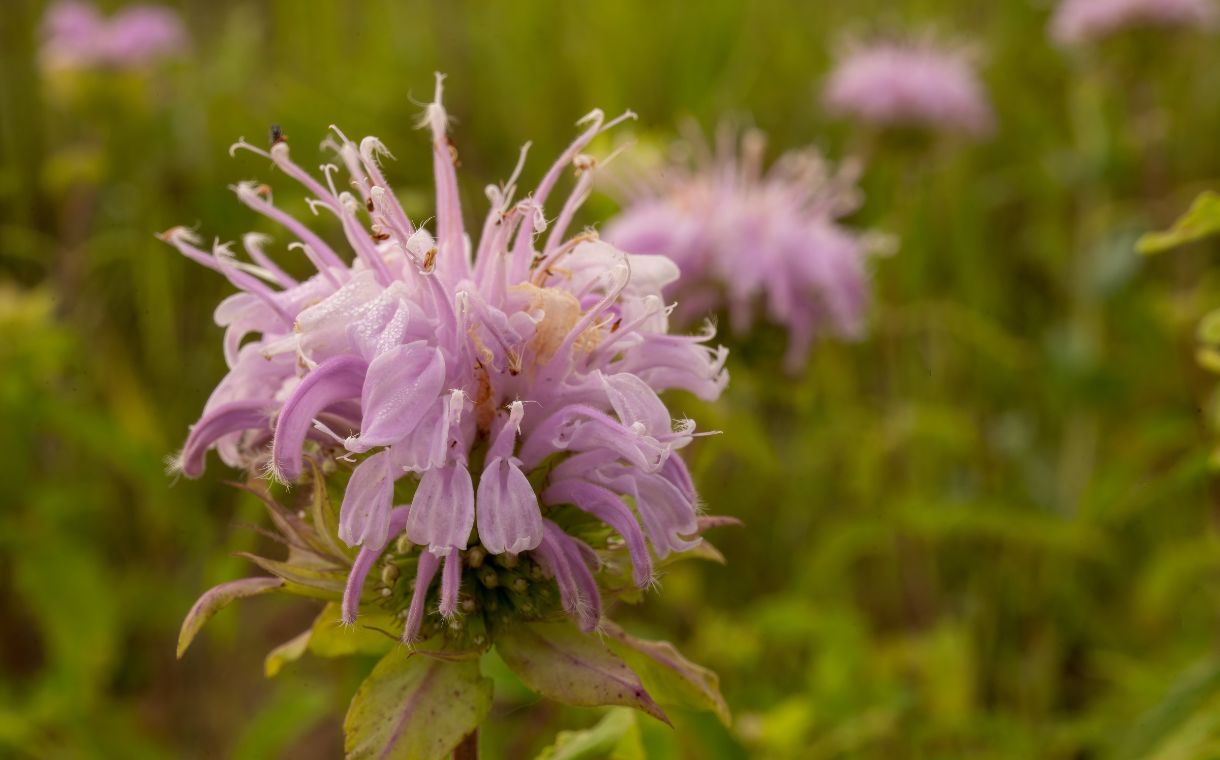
(414, 707)
(215, 599)
(561, 663)
(670, 678)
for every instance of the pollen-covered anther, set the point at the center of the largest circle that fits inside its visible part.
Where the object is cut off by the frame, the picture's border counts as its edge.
(584, 163)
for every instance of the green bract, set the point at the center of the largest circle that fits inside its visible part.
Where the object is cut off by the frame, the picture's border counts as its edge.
(421, 701)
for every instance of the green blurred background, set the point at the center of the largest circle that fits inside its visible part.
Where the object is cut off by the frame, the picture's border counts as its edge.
(989, 530)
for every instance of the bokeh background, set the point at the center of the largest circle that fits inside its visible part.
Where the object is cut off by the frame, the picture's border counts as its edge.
(988, 530)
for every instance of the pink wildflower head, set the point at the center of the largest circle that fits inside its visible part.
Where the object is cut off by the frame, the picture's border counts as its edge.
(912, 84)
(1082, 21)
(746, 238)
(502, 377)
(77, 36)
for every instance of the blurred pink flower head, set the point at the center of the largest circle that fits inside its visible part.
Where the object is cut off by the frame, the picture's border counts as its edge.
(1081, 21)
(910, 84)
(77, 36)
(746, 239)
(507, 373)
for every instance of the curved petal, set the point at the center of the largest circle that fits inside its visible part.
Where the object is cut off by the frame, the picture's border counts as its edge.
(609, 508)
(415, 613)
(335, 380)
(216, 423)
(566, 559)
(636, 403)
(364, 563)
(364, 517)
(398, 388)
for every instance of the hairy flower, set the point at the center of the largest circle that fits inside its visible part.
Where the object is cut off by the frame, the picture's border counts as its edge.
(77, 36)
(913, 84)
(1082, 21)
(743, 237)
(506, 383)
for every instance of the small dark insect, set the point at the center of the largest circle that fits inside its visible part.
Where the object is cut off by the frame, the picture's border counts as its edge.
(368, 203)
(277, 135)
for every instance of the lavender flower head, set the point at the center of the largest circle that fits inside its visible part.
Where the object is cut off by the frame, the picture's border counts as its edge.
(77, 36)
(499, 379)
(910, 84)
(1082, 21)
(742, 236)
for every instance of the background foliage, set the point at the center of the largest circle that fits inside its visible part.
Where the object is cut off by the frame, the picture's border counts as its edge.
(988, 530)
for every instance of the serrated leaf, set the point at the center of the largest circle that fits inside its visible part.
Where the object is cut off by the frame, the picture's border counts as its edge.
(372, 634)
(415, 708)
(561, 663)
(290, 651)
(670, 678)
(215, 599)
(1200, 221)
(614, 737)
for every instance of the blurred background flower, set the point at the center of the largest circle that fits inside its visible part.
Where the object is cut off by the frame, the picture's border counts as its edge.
(891, 83)
(750, 239)
(1082, 21)
(77, 36)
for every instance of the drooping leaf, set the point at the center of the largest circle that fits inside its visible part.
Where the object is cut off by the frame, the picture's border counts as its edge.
(307, 581)
(1201, 220)
(215, 599)
(290, 651)
(561, 663)
(372, 634)
(614, 737)
(670, 678)
(415, 708)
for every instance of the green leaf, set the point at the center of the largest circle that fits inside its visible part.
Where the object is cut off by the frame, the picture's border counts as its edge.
(290, 651)
(1186, 698)
(614, 737)
(216, 599)
(669, 677)
(561, 663)
(304, 580)
(372, 634)
(1200, 221)
(413, 707)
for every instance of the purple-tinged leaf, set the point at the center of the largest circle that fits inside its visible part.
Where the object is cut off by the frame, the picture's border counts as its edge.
(415, 708)
(707, 522)
(215, 599)
(671, 678)
(561, 663)
(318, 583)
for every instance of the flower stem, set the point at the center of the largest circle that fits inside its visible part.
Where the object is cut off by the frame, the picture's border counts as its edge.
(469, 748)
